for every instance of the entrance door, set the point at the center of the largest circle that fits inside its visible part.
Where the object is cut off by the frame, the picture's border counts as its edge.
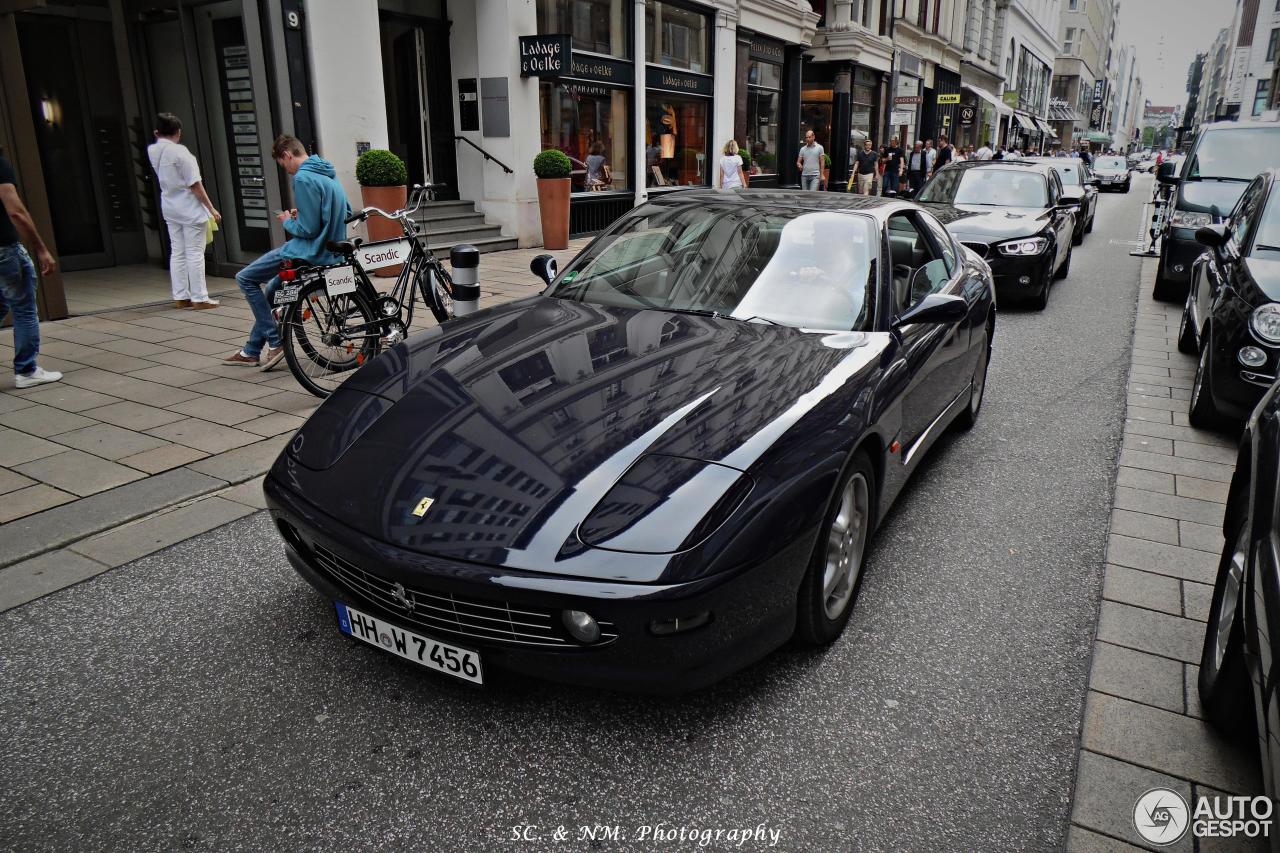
(418, 85)
(77, 123)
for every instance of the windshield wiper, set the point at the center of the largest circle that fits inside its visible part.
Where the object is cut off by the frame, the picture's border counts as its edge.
(1266, 247)
(701, 312)
(757, 317)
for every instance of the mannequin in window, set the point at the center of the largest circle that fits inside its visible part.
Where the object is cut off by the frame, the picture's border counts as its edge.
(667, 132)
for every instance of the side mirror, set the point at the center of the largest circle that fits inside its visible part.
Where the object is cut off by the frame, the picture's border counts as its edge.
(1164, 174)
(936, 308)
(544, 267)
(1066, 202)
(1212, 236)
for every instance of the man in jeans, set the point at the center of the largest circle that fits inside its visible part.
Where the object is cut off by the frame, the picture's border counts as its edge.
(319, 217)
(810, 163)
(865, 167)
(18, 281)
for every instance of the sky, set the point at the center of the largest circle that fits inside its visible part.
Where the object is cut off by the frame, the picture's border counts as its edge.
(1168, 35)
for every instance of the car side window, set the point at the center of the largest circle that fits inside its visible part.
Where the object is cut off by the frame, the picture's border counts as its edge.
(941, 239)
(1055, 188)
(1246, 211)
(918, 268)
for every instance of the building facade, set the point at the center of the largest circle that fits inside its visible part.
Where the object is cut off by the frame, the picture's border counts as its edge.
(1029, 48)
(1080, 84)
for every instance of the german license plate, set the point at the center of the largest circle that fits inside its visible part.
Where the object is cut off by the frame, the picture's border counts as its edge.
(340, 280)
(286, 294)
(433, 654)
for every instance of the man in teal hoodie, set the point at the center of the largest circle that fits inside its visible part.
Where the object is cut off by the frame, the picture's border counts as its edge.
(320, 216)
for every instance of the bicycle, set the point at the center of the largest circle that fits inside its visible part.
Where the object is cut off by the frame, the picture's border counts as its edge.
(335, 320)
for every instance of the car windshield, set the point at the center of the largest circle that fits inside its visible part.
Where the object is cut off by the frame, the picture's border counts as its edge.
(791, 267)
(987, 186)
(1234, 153)
(1110, 164)
(1267, 241)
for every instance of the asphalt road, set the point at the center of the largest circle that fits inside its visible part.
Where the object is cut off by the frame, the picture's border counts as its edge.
(202, 698)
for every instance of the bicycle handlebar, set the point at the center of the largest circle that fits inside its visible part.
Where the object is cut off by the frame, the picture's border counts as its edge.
(417, 194)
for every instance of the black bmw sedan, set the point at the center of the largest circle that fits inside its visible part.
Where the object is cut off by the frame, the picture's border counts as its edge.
(1239, 670)
(1013, 213)
(1232, 314)
(661, 468)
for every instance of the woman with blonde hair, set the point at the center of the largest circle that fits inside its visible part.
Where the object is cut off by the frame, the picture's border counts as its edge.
(732, 173)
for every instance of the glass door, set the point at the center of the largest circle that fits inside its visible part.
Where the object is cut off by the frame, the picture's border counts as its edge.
(416, 79)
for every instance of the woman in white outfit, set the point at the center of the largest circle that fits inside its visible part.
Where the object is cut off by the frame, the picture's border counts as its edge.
(186, 209)
(732, 173)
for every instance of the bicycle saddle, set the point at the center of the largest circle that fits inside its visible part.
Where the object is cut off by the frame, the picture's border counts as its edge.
(343, 247)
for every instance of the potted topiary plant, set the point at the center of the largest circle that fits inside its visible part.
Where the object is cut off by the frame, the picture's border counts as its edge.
(383, 183)
(553, 169)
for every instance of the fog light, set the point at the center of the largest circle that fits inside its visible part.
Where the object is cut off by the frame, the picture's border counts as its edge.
(581, 626)
(1024, 279)
(667, 627)
(1252, 357)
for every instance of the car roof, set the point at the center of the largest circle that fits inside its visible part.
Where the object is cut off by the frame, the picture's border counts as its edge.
(879, 207)
(1217, 126)
(1035, 165)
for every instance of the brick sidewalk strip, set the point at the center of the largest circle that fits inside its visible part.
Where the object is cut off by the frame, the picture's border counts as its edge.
(134, 450)
(1142, 721)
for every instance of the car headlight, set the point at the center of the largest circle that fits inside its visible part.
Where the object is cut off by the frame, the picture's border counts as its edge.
(1189, 219)
(1265, 322)
(1029, 246)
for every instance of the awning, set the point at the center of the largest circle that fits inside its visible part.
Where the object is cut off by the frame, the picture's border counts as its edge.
(1096, 136)
(1043, 125)
(1001, 107)
(1025, 123)
(1061, 112)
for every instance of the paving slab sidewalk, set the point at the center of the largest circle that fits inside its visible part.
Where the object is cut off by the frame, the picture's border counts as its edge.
(149, 439)
(1143, 727)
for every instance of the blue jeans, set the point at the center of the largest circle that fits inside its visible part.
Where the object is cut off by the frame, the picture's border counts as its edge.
(18, 293)
(890, 181)
(265, 270)
(810, 182)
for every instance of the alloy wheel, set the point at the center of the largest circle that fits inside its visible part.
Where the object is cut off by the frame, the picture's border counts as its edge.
(846, 541)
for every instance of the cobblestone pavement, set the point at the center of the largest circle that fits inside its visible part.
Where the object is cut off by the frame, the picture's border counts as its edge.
(149, 439)
(1142, 724)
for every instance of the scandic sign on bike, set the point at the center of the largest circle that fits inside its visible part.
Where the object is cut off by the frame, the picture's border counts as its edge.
(385, 253)
(340, 280)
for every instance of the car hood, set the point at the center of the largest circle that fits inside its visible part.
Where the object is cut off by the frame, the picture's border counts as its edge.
(1201, 195)
(989, 224)
(523, 432)
(1266, 276)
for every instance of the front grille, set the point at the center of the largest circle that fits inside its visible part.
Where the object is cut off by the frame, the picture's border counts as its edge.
(979, 249)
(445, 613)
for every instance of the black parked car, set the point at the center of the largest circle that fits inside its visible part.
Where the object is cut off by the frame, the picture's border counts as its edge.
(1015, 214)
(1112, 172)
(1232, 314)
(661, 468)
(1078, 182)
(1205, 187)
(1238, 667)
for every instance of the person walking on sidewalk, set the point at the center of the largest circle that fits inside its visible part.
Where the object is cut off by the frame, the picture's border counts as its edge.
(810, 162)
(865, 169)
(186, 209)
(732, 174)
(893, 166)
(319, 217)
(917, 167)
(18, 280)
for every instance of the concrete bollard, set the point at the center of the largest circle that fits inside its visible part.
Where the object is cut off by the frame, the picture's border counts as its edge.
(465, 260)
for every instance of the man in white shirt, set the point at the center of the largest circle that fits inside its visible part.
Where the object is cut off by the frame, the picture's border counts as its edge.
(930, 156)
(186, 209)
(810, 162)
(983, 153)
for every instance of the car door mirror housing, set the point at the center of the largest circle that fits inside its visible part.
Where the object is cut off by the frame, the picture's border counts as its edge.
(1068, 202)
(934, 309)
(1212, 236)
(544, 267)
(1165, 175)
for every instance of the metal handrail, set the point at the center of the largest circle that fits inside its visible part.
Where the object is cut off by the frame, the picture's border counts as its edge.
(486, 154)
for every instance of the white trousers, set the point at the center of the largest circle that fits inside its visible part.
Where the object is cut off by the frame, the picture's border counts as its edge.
(186, 261)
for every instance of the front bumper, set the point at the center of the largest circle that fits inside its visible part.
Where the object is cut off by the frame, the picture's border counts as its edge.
(1008, 273)
(1114, 183)
(752, 612)
(1179, 249)
(1236, 388)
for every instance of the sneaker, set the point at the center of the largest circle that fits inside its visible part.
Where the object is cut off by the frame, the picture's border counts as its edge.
(241, 359)
(203, 304)
(271, 357)
(39, 376)
(182, 303)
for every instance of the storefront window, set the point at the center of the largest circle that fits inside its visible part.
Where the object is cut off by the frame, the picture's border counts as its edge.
(675, 151)
(588, 123)
(676, 37)
(598, 26)
(764, 98)
(862, 105)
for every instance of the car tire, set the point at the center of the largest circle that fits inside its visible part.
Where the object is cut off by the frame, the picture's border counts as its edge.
(1126, 188)
(831, 584)
(1077, 237)
(1186, 333)
(967, 418)
(1201, 412)
(1225, 691)
(1088, 227)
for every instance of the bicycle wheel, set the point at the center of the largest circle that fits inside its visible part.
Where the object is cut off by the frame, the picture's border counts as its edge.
(437, 290)
(325, 337)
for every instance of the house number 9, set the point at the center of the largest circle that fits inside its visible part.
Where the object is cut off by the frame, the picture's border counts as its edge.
(294, 20)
